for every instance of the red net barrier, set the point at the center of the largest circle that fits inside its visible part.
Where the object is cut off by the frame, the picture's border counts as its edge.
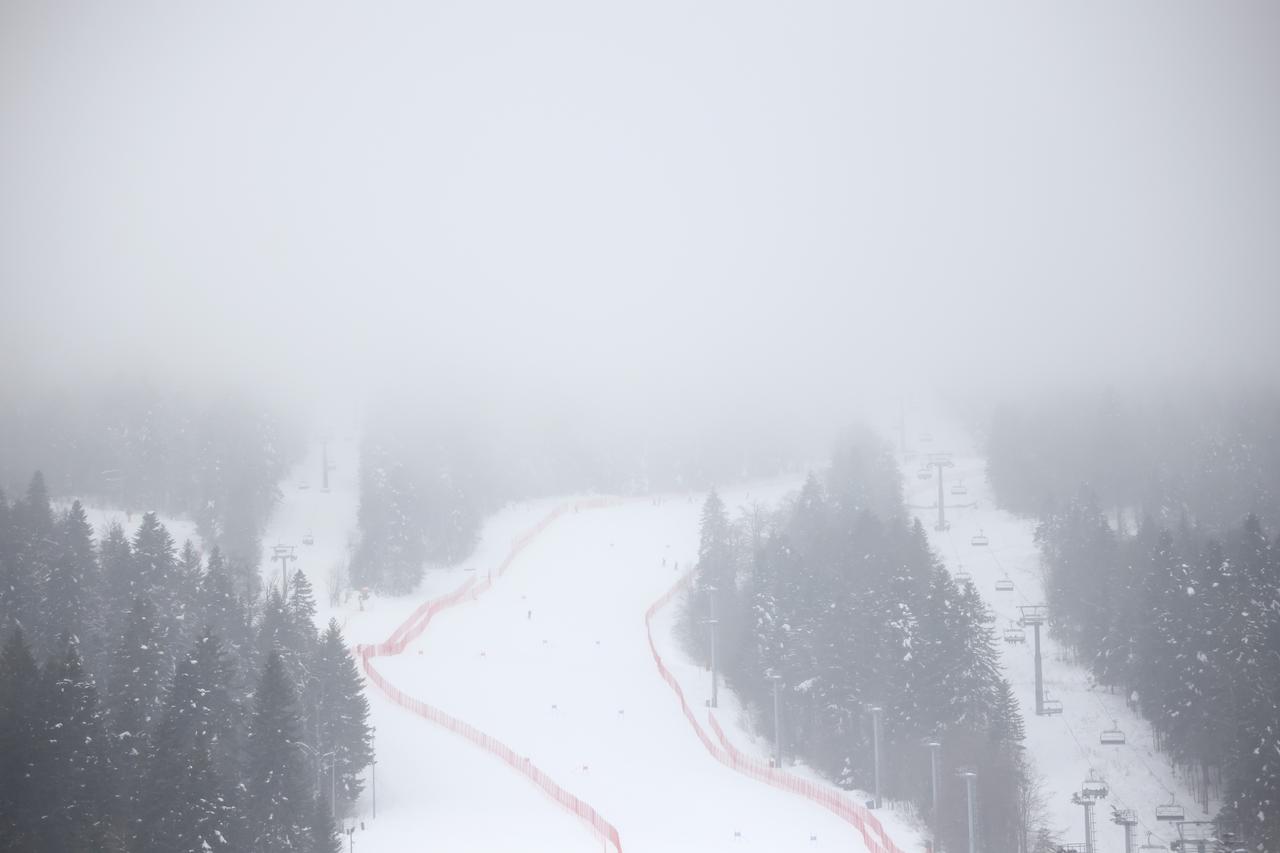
(873, 834)
(417, 622)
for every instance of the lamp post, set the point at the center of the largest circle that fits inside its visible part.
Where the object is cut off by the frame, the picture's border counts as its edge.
(711, 621)
(970, 777)
(317, 757)
(934, 746)
(777, 718)
(875, 747)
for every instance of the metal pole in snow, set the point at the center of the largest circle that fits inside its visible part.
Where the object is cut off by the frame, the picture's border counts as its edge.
(934, 746)
(1039, 674)
(374, 735)
(969, 778)
(777, 720)
(711, 604)
(875, 736)
(942, 512)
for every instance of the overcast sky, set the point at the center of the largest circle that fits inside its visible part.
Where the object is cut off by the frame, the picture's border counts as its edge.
(605, 202)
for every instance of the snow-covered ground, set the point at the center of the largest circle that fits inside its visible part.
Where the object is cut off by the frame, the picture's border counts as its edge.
(1066, 748)
(553, 661)
(101, 518)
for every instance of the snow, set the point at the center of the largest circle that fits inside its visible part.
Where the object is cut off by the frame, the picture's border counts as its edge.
(1065, 748)
(553, 660)
(102, 517)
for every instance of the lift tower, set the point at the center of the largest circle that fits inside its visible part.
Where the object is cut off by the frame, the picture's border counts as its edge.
(1036, 615)
(940, 461)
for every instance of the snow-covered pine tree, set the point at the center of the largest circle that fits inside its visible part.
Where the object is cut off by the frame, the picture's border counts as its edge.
(70, 771)
(73, 583)
(20, 809)
(280, 808)
(341, 712)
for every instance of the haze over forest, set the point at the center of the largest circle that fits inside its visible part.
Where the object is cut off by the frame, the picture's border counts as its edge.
(660, 212)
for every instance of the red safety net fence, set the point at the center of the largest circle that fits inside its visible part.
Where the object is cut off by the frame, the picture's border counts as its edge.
(412, 628)
(873, 834)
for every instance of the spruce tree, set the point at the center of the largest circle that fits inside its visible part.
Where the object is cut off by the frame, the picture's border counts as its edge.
(325, 837)
(20, 809)
(73, 583)
(342, 712)
(189, 795)
(280, 809)
(71, 775)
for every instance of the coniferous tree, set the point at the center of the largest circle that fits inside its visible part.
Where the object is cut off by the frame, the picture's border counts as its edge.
(70, 763)
(73, 582)
(325, 837)
(341, 712)
(221, 611)
(280, 808)
(190, 798)
(20, 808)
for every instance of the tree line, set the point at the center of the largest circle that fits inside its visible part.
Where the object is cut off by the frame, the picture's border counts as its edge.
(213, 459)
(840, 596)
(1209, 457)
(1185, 622)
(151, 700)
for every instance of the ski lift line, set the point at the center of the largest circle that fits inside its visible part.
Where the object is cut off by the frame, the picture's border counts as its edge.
(1145, 766)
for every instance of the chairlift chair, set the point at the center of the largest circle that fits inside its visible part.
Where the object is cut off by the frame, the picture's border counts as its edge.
(1095, 789)
(1004, 585)
(1014, 634)
(1050, 707)
(308, 539)
(980, 540)
(1152, 847)
(925, 473)
(1112, 736)
(959, 489)
(926, 437)
(1171, 812)
(961, 575)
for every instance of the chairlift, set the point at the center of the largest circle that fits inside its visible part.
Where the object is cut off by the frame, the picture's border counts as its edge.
(1152, 847)
(1112, 736)
(1050, 707)
(980, 540)
(1094, 789)
(308, 539)
(926, 437)
(1014, 634)
(302, 487)
(959, 489)
(961, 575)
(925, 473)
(1004, 585)
(1171, 812)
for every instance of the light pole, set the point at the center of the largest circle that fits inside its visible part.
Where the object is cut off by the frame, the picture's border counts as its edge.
(970, 777)
(373, 734)
(875, 748)
(777, 718)
(317, 757)
(711, 622)
(934, 746)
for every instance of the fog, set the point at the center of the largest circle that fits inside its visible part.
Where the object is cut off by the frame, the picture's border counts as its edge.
(667, 209)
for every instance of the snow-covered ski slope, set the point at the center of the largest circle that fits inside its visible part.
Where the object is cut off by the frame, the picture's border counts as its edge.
(553, 661)
(1065, 748)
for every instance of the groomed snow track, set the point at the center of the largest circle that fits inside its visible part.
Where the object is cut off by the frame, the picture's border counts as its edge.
(413, 627)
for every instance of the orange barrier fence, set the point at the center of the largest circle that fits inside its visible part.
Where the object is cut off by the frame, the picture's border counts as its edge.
(417, 622)
(872, 831)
